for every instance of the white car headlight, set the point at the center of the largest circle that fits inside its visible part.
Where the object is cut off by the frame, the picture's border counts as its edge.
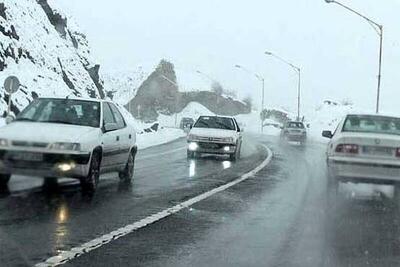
(228, 140)
(3, 142)
(192, 137)
(65, 146)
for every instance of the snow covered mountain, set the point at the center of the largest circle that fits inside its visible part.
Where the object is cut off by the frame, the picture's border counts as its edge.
(46, 51)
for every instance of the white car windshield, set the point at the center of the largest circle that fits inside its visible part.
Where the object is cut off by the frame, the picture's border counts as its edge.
(65, 111)
(215, 123)
(372, 124)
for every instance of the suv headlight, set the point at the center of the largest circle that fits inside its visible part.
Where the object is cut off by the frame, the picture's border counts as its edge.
(4, 142)
(227, 140)
(65, 146)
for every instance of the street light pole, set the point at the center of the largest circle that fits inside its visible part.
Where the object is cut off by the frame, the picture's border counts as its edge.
(298, 71)
(262, 80)
(379, 30)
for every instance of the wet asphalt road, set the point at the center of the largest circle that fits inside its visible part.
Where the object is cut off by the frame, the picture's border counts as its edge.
(279, 217)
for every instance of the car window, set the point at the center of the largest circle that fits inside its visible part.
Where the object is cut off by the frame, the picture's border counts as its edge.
(372, 124)
(215, 123)
(117, 115)
(237, 125)
(66, 111)
(108, 116)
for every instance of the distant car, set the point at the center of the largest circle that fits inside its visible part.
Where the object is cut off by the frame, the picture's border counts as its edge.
(364, 149)
(294, 131)
(186, 123)
(76, 138)
(215, 135)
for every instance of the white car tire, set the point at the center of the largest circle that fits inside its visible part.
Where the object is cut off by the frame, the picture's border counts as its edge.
(89, 183)
(4, 179)
(126, 175)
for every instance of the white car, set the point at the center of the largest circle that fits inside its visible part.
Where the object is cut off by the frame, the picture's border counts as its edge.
(364, 149)
(63, 137)
(215, 135)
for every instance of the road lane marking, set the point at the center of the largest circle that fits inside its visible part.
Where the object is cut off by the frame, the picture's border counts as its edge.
(73, 253)
(160, 154)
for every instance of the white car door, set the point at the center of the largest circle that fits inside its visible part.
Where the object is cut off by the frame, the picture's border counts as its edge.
(110, 138)
(124, 135)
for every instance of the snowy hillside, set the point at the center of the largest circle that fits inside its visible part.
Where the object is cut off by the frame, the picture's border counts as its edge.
(123, 85)
(326, 117)
(48, 55)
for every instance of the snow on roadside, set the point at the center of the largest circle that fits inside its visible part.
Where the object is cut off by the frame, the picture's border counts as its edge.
(162, 136)
(143, 139)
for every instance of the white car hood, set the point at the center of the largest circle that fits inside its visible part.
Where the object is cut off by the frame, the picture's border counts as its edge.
(44, 132)
(208, 132)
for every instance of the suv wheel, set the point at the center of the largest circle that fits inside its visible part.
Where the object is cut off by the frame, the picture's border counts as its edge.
(127, 174)
(89, 183)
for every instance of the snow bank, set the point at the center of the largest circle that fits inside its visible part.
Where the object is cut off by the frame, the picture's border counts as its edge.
(145, 139)
(326, 117)
(162, 136)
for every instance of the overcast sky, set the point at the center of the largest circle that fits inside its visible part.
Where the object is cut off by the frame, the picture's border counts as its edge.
(336, 50)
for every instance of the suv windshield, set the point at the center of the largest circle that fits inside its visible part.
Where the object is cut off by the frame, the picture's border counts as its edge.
(215, 122)
(372, 124)
(295, 125)
(65, 111)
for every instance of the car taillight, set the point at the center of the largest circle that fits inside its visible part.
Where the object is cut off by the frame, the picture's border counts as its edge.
(398, 152)
(347, 148)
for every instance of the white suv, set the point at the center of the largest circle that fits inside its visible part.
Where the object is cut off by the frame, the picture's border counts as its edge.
(215, 135)
(61, 137)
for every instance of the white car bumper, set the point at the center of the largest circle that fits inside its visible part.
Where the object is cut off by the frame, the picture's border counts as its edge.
(44, 164)
(211, 147)
(364, 170)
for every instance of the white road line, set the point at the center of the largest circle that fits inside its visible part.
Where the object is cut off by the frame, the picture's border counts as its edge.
(85, 248)
(160, 154)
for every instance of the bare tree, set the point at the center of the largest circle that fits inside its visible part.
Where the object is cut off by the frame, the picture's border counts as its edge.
(249, 101)
(217, 88)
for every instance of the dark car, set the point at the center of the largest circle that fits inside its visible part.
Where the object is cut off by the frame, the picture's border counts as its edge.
(294, 131)
(186, 123)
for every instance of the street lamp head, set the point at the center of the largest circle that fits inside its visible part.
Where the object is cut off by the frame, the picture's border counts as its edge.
(330, 1)
(268, 53)
(238, 66)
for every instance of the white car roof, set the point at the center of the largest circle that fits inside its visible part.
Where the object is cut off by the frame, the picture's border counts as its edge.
(77, 98)
(227, 117)
(374, 114)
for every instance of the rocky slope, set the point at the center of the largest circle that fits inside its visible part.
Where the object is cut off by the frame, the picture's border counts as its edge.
(160, 94)
(47, 53)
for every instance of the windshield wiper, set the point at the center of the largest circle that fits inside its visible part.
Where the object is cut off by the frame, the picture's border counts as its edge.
(24, 119)
(58, 121)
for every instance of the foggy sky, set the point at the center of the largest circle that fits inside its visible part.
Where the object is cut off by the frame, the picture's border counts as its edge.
(336, 50)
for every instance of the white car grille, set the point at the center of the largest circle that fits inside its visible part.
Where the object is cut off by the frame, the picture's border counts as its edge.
(29, 144)
(211, 139)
